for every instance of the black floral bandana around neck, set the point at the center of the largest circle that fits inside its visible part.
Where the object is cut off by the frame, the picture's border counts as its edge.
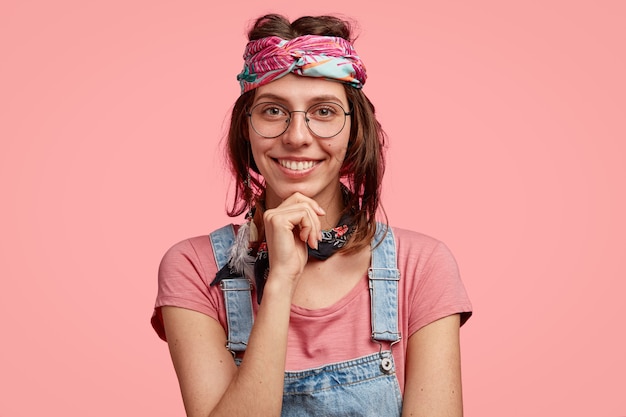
(332, 240)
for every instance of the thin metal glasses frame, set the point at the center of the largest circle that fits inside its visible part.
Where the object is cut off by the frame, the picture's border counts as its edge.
(306, 119)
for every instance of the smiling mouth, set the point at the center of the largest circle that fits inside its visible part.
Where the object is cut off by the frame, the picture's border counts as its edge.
(297, 165)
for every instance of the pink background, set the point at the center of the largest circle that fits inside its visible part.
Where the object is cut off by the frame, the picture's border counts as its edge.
(507, 141)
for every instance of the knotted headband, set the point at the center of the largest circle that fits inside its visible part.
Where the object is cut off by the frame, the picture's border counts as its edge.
(329, 57)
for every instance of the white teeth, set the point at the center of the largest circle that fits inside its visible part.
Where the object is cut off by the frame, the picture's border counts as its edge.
(297, 165)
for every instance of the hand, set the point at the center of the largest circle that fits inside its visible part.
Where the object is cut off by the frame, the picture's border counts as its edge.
(289, 228)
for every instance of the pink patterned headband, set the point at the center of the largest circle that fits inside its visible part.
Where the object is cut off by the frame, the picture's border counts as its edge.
(329, 57)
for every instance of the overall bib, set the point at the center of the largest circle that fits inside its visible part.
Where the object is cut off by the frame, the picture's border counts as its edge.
(365, 386)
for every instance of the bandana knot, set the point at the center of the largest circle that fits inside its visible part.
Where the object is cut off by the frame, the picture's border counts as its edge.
(254, 264)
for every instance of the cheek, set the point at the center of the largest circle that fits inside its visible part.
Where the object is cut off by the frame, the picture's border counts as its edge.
(257, 144)
(339, 151)
(256, 154)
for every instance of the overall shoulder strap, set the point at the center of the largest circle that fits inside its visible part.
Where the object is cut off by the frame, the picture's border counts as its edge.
(221, 241)
(237, 293)
(383, 283)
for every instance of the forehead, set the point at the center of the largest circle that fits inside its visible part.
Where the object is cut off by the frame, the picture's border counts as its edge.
(298, 90)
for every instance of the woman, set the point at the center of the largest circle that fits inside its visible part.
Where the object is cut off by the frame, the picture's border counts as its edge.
(353, 317)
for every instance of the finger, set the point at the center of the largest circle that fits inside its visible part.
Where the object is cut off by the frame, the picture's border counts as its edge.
(309, 233)
(305, 220)
(315, 234)
(299, 218)
(301, 198)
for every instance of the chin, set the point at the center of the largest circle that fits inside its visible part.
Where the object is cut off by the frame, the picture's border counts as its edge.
(288, 191)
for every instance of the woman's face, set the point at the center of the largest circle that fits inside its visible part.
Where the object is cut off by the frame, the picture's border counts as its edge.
(298, 160)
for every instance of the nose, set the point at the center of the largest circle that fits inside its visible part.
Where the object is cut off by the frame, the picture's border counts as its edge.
(297, 132)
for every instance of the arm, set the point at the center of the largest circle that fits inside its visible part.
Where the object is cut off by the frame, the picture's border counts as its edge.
(210, 383)
(193, 338)
(433, 371)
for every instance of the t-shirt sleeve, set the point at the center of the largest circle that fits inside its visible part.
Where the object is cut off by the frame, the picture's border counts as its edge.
(184, 275)
(439, 291)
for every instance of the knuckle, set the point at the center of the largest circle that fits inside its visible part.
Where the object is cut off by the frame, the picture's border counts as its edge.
(269, 216)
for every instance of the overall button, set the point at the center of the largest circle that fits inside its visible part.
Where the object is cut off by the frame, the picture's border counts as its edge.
(386, 365)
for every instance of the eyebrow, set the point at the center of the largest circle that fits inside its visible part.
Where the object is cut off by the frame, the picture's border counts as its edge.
(275, 97)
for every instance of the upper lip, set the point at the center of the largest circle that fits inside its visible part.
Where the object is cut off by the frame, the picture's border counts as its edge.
(296, 159)
(291, 159)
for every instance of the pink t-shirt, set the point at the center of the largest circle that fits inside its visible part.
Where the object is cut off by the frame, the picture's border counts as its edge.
(430, 288)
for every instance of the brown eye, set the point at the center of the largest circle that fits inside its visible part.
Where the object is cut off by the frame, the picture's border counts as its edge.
(324, 111)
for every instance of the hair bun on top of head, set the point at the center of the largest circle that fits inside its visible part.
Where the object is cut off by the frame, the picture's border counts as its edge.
(329, 57)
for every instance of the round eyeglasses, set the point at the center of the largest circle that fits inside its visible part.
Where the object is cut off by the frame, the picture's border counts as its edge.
(324, 120)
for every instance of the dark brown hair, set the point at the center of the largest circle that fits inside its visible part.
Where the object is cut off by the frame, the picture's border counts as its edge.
(364, 164)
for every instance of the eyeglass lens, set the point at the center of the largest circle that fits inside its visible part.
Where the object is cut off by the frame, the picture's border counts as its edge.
(324, 120)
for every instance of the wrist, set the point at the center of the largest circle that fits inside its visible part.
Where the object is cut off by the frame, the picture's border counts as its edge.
(280, 284)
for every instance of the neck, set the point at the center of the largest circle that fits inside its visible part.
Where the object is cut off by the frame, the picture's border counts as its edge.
(333, 208)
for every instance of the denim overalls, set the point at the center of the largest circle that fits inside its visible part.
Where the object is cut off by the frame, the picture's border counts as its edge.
(365, 386)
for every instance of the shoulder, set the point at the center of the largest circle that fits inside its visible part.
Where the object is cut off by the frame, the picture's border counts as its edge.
(196, 252)
(413, 244)
(432, 281)
(193, 248)
(190, 244)
(402, 234)
(200, 244)
(185, 274)
(424, 258)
